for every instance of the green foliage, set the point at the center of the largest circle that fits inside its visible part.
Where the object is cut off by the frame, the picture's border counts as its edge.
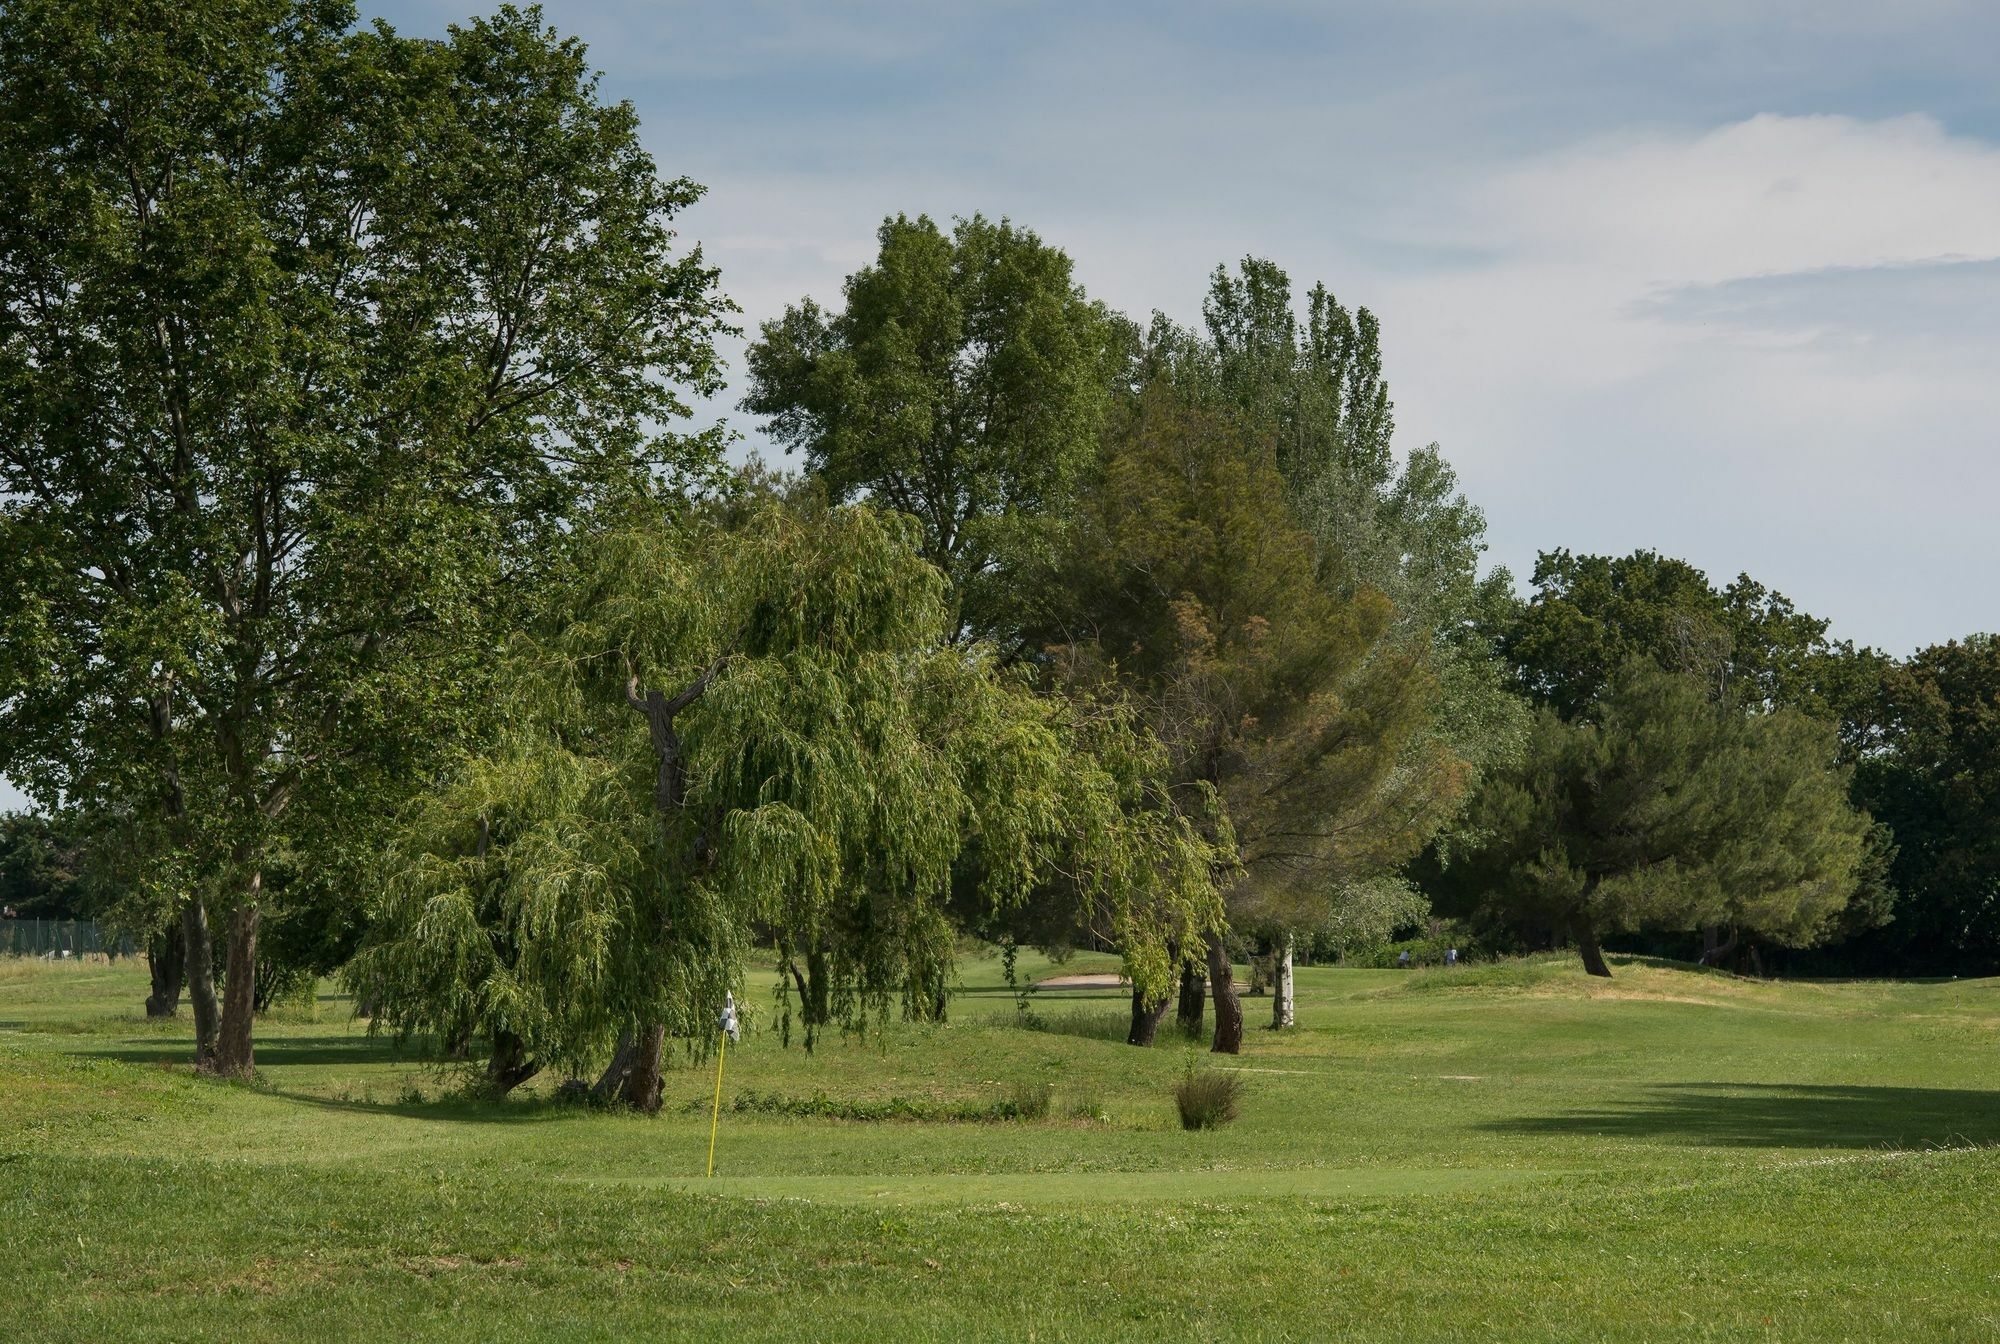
(1591, 614)
(822, 762)
(1937, 784)
(1669, 810)
(1207, 1098)
(314, 343)
(962, 384)
(1277, 693)
(1313, 383)
(42, 869)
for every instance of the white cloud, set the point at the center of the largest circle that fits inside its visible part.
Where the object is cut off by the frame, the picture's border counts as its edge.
(1763, 347)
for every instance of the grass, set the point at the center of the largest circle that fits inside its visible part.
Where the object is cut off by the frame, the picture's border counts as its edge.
(1481, 1153)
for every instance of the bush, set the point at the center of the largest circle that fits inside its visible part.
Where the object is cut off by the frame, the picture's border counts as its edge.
(1206, 1098)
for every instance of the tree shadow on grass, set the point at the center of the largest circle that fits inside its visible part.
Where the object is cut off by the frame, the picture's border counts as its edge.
(324, 1050)
(1784, 1115)
(452, 1109)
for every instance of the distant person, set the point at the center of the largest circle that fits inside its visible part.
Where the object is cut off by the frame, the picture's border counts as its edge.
(1403, 958)
(1451, 956)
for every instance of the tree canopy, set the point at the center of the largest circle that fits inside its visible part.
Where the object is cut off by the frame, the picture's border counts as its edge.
(311, 339)
(1192, 585)
(1936, 783)
(763, 726)
(1667, 808)
(963, 383)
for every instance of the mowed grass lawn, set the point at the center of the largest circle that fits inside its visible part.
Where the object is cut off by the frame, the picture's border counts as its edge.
(1487, 1153)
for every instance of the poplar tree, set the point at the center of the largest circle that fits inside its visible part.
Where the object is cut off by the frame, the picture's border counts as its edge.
(962, 382)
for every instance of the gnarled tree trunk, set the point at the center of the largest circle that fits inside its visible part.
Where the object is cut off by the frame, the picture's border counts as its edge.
(643, 1082)
(1146, 1018)
(611, 1083)
(1228, 1008)
(1714, 948)
(198, 957)
(233, 1053)
(509, 1065)
(817, 995)
(166, 962)
(1283, 1014)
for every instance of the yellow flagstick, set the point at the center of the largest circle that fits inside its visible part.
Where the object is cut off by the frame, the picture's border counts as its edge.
(715, 1117)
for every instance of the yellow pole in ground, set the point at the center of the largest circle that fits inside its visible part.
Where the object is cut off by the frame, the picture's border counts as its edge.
(715, 1117)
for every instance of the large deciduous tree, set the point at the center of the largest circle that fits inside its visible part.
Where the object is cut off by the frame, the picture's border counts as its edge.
(1666, 808)
(311, 341)
(963, 382)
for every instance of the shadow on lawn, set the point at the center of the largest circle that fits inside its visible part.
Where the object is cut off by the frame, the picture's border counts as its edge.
(452, 1108)
(321, 1050)
(1783, 1115)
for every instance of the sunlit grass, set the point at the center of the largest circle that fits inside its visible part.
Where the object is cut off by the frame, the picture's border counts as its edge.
(1485, 1152)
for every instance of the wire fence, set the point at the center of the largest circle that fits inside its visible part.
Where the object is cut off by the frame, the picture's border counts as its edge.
(61, 939)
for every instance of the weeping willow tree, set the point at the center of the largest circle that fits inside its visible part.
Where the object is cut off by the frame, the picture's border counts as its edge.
(758, 725)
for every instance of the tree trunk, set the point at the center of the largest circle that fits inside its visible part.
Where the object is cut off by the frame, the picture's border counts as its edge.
(817, 996)
(1228, 1008)
(643, 1084)
(1146, 1018)
(166, 962)
(509, 1066)
(1714, 948)
(612, 1081)
(233, 1053)
(1188, 1014)
(198, 959)
(1283, 1014)
(1592, 950)
(1261, 969)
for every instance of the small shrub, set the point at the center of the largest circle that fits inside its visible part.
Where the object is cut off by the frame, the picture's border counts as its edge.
(1206, 1098)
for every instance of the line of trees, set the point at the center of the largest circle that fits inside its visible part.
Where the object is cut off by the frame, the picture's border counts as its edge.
(369, 610)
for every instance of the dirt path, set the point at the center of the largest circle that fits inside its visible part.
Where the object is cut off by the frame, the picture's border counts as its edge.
(1099, 980)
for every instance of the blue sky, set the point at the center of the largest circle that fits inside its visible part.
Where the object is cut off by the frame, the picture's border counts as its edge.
(1721, 279)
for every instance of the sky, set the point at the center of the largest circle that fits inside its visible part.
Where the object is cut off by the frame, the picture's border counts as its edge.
(1717, 279)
